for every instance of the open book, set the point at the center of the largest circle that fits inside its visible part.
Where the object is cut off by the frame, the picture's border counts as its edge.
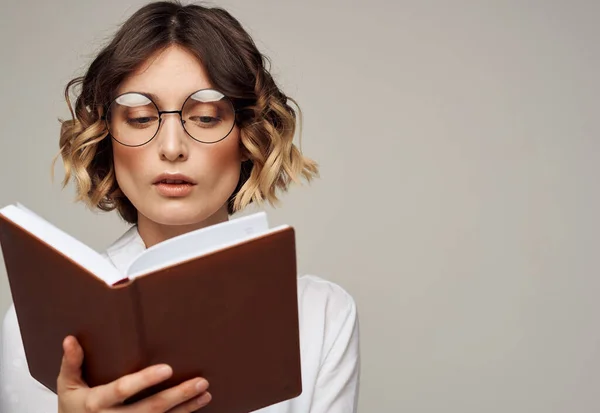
(219, 302)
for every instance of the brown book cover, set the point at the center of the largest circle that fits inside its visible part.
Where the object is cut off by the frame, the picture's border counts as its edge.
(230, 316)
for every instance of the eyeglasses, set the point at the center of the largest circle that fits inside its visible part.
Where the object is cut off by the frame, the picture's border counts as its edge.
(133, 119)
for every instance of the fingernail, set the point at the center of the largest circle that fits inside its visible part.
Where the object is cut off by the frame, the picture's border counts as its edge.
(201, 385)
(204, 399)
(163, 371)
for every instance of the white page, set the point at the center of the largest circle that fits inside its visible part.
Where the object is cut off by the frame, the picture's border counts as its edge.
(63, 242)
(197, 243)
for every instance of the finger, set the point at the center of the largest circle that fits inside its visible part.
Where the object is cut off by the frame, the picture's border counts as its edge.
(69, 377)
(168, 399)
(118, 391)
(194, 404)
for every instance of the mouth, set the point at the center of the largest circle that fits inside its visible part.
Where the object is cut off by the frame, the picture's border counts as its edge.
(173, 182)
(174, 185)
(173, 179)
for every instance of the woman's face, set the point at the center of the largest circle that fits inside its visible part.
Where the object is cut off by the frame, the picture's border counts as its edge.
(214, 169)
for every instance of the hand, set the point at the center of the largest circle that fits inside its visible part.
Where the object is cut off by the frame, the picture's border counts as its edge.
(75, 396)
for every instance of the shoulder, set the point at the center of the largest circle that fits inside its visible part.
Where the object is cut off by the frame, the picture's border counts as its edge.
(329, 326)
(319, 291)
(325, 303)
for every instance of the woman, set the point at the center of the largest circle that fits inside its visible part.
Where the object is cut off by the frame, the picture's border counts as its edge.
(177, 125)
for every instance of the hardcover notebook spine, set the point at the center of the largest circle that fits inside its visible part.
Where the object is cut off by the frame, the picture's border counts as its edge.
(141, 357)
(115, 349)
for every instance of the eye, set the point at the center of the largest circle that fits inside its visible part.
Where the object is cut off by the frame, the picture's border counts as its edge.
(142, 121)
(205, 121)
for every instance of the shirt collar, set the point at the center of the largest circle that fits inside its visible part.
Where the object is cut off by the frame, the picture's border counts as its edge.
(125, 249)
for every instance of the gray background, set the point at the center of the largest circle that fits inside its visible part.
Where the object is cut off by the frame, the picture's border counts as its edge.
(458, 198)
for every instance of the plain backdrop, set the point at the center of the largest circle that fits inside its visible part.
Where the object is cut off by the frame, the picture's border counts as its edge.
(458, 200)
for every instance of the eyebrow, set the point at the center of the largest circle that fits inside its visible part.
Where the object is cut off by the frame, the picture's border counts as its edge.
(152, 96)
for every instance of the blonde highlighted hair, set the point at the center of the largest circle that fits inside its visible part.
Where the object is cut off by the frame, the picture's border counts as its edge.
(234, 65)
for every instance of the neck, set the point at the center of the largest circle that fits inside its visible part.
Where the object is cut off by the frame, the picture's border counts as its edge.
(153, 232)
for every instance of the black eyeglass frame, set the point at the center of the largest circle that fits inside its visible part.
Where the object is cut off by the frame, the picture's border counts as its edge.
(179, 112)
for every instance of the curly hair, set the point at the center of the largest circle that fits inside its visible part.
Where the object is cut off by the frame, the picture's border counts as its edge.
(234, 65)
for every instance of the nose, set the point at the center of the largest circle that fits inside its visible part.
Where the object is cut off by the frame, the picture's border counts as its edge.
(172, 139)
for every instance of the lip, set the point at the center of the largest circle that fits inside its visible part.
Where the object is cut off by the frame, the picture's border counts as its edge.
(174, 190)
(175, 177)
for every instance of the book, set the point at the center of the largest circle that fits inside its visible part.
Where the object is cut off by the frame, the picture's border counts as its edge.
(220, 303)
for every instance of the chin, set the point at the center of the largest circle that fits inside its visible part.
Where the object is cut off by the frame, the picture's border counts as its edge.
(177, 213)
(173, 220)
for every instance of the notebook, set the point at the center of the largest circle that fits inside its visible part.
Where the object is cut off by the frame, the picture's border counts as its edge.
(220, 303)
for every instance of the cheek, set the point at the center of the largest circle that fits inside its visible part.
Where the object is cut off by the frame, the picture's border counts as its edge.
(222, 159)
(129, 166)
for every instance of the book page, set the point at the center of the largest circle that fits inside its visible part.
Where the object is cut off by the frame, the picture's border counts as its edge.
(62, 242)
(197, 243)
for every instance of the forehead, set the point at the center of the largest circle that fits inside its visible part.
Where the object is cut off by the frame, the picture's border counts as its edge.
(170, 75)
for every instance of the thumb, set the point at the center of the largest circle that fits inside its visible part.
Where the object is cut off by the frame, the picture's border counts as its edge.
(69, 377)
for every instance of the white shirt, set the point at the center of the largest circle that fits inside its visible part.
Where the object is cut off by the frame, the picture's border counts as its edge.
(329, 349)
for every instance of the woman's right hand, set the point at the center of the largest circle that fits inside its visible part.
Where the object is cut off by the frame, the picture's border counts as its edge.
(75, 396)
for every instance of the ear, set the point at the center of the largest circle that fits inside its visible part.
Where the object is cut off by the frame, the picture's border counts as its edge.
(243, 153)
(116, 193)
